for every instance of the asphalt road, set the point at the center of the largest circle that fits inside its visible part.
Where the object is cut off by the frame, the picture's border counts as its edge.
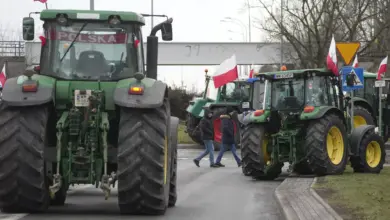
(203, 194)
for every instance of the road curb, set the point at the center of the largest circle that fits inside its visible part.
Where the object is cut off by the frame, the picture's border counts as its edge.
(322, 201)
(298, 200)
(287, 211)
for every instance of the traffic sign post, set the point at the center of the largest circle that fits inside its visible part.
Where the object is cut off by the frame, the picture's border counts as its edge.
(352, 79)
(347, 50)
(380, 84)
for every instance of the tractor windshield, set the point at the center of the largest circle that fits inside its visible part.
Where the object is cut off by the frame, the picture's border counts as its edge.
(288, 94)
(235, 92)
(92, 51)
(316, 91)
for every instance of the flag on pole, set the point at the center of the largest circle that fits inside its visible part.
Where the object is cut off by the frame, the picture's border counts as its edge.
(355, 63)
(331, 59)
(382, 69)
(226, 72)
(3, 76)
(42, 1)
(251, 73)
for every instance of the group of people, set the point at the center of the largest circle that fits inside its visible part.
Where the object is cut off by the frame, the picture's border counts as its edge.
(228, 140)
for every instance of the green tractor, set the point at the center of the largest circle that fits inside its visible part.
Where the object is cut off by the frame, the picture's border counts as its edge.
(229, 98)
(90, 114)
(366, 102)
(301, 119)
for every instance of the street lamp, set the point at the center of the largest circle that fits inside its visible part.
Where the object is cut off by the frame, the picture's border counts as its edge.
(237, 21)
(240, 33)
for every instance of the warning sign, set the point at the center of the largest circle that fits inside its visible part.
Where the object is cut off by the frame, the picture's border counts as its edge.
(347, 50)
(358, 78)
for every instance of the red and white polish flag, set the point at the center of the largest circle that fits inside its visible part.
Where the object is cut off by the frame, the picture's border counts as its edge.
(3, 77)
(41, 1)
(355, 63)
(226, 72)
(331, 59)
(382, 68)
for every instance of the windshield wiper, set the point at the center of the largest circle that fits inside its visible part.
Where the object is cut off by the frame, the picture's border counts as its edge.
(74, 40)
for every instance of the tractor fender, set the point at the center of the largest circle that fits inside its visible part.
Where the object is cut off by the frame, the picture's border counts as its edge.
(152, 97)
(357, 135)
(319, 112)
(14, 96)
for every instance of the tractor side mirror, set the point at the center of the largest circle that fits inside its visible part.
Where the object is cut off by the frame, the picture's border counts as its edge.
(28, 28)
(166, 31)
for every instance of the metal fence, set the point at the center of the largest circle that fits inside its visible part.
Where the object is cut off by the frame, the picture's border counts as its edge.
(12, 49)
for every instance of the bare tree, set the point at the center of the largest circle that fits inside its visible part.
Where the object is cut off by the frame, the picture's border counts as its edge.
(308, 25)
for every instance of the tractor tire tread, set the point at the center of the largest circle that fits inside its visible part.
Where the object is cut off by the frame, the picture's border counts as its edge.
(315, 146)
(358, 163)
(141, 142)
(23, 186)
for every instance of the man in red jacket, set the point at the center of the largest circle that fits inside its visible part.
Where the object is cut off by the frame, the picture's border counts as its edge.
(227, 128)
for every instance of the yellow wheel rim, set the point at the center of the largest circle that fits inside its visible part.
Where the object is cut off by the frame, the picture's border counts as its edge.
(358, 121)
(267, 158)
(335, 145)
(373, 154)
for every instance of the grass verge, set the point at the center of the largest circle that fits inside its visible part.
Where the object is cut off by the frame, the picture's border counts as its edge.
(357, 196)
(183, 137)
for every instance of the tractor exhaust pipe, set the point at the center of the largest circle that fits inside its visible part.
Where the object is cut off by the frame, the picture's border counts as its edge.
(152, 46)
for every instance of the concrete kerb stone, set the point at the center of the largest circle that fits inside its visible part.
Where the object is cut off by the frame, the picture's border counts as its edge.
(298, 200)
(322, 201)
(287, 211)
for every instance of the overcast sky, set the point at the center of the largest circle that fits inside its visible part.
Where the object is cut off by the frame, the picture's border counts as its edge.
(194, 21)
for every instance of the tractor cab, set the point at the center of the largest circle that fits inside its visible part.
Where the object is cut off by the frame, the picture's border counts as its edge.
(235, 91)
(291, 95)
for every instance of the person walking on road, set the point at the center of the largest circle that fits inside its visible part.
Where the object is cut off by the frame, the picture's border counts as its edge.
(227, 127)
(207, 132)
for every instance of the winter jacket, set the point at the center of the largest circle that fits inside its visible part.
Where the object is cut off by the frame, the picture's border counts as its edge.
(207, 129)
(227, 128)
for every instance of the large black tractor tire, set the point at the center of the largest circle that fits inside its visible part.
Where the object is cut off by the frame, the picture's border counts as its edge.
(254, 154)
(144, 160)
(361, 116)
(371, 156)
(216, 119)
(173, 181)
(328, 128)
(193, 129)
(23, 185)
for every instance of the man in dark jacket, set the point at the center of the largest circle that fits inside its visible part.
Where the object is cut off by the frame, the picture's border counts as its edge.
(207, 132)
(227, 128)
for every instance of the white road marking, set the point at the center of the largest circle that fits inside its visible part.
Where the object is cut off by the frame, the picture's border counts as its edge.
(11, 216)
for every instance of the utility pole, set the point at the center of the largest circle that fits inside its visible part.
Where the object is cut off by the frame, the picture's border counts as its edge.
(152, 12)
(92, 5)
(281, 32)
(248, 69)
(249, 22)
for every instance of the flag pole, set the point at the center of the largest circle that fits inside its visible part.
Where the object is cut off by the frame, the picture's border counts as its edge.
(46, 5)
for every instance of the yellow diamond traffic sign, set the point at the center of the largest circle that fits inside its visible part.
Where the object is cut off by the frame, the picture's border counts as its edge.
(347, 50)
